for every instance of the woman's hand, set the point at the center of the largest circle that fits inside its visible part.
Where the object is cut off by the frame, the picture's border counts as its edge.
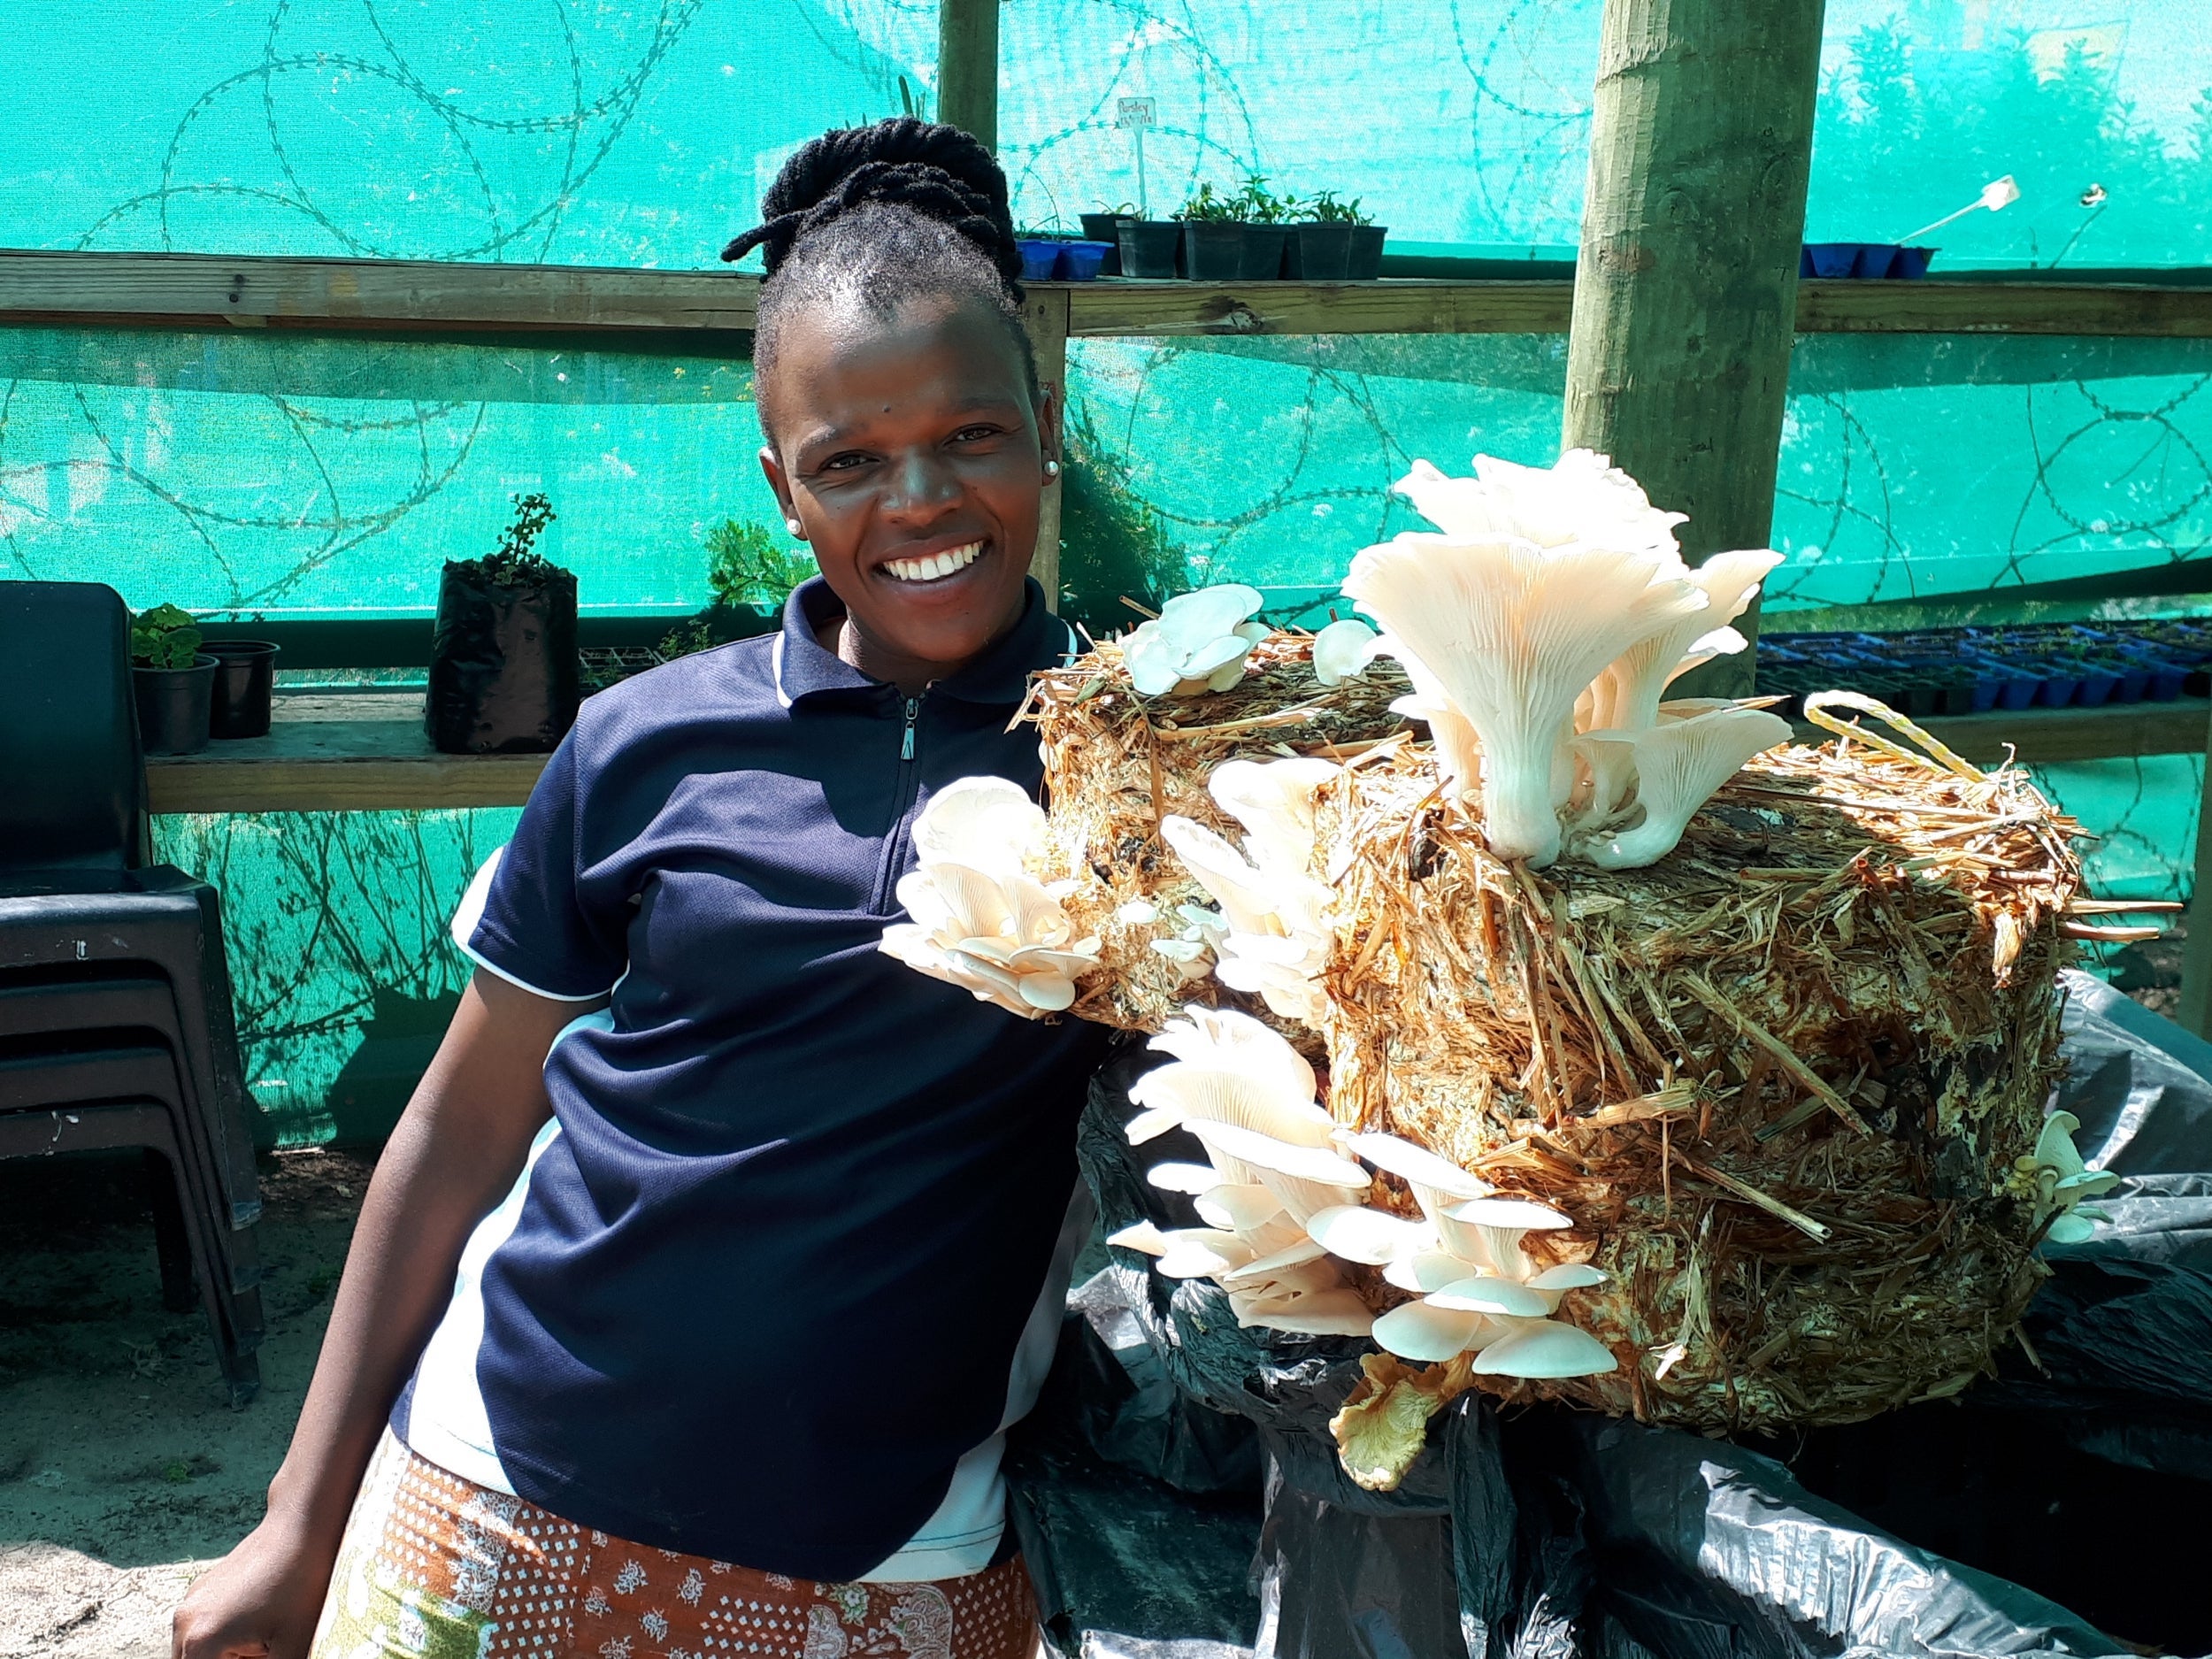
(260, 1601)
(456, 1152)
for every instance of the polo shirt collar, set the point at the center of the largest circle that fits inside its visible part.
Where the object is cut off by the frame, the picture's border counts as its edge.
(1001, 675)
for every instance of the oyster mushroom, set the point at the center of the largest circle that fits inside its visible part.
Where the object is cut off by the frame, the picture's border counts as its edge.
(1678, 765)
(1274, 801)
(1342, 650)
(1198, 642)
(2059, 1181)
(1512, 633)
(1626, 695)
(978, 918)
(1581, 497)
(1546, 1348)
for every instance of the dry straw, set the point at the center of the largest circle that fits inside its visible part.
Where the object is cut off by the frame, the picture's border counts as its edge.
(1779, 1078)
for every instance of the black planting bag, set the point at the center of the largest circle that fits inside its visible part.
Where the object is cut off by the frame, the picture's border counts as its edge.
(503, 676)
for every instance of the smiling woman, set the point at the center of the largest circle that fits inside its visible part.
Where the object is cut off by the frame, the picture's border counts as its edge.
(610, 1358)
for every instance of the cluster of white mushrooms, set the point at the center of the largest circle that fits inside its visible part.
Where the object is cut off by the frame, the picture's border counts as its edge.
(2055, 1180)
(981, 920)
(1541, 625)
(1280, 1197)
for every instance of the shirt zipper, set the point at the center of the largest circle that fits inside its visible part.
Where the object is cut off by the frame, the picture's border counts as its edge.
(895, 843)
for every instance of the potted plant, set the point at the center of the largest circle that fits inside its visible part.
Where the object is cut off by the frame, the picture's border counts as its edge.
(1320, 246)
(172, 681)
(1266, 229)
(1213, 236)
(504, 668)
(750, 576)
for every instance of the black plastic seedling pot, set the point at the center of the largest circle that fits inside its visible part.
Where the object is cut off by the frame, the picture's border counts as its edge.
(1148, 247)
(503, 670)
(1213, 251)
(1319, 253)
(1262, 260)
(1365, 263)
(1106, 227)
(245, 674)
(172, 706)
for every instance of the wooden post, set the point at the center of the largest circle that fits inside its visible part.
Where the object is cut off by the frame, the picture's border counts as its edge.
(1047, 315)
(967, 67)
(1685, 289)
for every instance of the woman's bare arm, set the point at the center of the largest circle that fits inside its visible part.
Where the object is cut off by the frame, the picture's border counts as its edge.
(455, 1153)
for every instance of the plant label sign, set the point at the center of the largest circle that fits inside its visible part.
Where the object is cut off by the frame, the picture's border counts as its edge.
(1135, 114)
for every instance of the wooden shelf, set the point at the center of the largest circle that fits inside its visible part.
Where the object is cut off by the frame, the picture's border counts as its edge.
(364, 751)
(211, 291)
(354, 751)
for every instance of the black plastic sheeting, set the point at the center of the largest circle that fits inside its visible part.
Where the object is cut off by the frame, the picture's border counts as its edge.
(1179, 1497)
(505, 673)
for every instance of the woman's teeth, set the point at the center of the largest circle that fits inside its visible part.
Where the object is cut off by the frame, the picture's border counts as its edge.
(936, 566)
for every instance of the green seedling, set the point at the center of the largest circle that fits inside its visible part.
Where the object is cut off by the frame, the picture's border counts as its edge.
(165, 637)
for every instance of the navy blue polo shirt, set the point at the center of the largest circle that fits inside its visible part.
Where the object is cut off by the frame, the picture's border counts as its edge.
(767, 1289)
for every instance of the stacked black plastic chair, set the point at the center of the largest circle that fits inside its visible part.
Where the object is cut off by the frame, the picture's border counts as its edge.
(116, 1025)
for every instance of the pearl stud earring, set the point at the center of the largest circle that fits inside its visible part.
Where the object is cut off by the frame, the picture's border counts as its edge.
(796, 527)
(1052, 469)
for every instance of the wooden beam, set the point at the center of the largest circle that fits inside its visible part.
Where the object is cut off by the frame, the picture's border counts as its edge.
(1685, 286)
(195, 290)
(1046, 311)
(967, 67)
(1397, 307)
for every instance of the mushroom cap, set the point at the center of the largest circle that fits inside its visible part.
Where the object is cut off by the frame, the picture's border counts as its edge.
(1520, 1214)
(1190, 620)
(1155, 667)
(1426, 1271)
(1337, 1312)
(1416, 1165)
(1512, 633)
(1342, 650)
(1569, 1276)
(1189, 1179)
(1247, 896)
(1240, 1206)
(1678, 766)
(1264, 1152)
(2055, 1147)
(1371, 1237)
(1273, 801)
(1201, 1253)
(1262, 1268)
(986, 823)
(1635, 681)
(1582, 497)
(1486, 1293)
(1424, 1333)
(1255, 1102)
(2070, 1227)
(1140, 1235)
(1544, 1347)
(1236, 1042)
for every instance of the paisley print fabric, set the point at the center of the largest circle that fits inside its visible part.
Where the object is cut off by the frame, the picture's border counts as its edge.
(436, 1567)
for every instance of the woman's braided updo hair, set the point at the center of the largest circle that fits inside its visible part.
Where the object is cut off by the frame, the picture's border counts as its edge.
(884, 214)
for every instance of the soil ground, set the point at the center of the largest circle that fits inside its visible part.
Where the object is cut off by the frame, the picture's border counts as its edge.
(122, 1472)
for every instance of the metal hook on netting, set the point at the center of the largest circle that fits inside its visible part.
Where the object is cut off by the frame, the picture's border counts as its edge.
(1818, 703)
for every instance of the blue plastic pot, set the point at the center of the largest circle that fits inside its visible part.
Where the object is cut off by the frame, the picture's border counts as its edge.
(1081, 261)
(1911, 263)
(1875, 259)
(1831, 258)
(1039, 257)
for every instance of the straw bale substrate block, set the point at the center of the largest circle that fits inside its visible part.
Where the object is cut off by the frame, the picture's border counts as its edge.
(1779, 1078)
(1116, 763)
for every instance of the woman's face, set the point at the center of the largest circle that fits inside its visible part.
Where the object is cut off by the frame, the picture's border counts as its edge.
(909, 449)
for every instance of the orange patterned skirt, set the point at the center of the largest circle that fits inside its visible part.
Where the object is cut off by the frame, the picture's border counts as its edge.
(436, 1567)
